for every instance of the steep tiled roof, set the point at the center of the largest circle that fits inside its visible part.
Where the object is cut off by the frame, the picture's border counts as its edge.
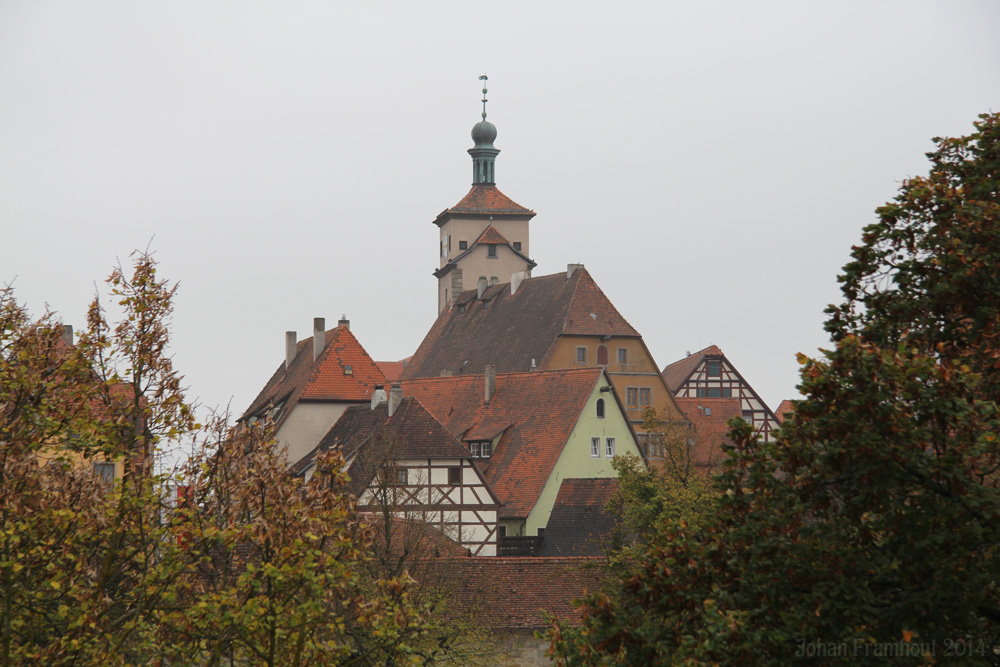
(509, 330)
(535, 413)
(709, 417)
(343, 372)
(391, 369)
(491, 235)
(784, 408)
(519, 593)
(484, 200)
(677, 373)
(579, 524)
(369, 435)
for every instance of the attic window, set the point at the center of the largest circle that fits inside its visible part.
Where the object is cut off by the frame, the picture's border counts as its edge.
(600, 408)
(348, 370)
(714, 369)
(481, 450)
(491, 250)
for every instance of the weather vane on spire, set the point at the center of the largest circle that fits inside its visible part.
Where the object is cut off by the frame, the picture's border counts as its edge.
(484, 78)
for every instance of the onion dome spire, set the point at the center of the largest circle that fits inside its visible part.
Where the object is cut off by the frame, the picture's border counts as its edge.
(483, 153)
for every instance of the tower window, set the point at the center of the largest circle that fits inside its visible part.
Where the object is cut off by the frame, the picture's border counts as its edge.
(517, 246)
(463, 245)
(491, 250)
(581, 355)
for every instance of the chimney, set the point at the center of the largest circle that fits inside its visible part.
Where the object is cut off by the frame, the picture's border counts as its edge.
(491, 382)
(344, 322)
(395, 397)
(290, 348)
(516, 279)
(67, 334)
(378, 396)
(571, 269)
(533, 366)
(482, 287)
(319, 336)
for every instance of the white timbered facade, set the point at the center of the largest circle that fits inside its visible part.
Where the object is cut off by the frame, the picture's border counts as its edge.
(449, 494)
(709, 374)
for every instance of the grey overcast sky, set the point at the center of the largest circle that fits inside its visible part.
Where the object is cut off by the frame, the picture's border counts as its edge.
(711, 163)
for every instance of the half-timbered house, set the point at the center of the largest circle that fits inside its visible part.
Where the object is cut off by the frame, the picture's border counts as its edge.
(404, 462)
(528, 432)
(709, 374)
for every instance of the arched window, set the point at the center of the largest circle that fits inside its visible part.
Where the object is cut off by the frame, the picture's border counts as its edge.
(602, 355)
(600, 408)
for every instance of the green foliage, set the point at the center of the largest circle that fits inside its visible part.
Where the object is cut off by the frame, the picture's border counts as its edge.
(869, 529)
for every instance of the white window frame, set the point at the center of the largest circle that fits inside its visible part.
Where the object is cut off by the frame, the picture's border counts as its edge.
(595, 447)
(609, 450)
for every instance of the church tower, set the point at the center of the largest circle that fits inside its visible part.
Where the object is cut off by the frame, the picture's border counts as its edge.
(484, 237)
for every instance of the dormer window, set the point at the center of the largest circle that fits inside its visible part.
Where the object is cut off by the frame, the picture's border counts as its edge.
(481, 449)
(491, 250)
(348, 370)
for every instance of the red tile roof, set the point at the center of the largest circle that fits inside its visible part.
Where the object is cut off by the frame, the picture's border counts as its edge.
(534, 412)
(326, 379)
(677, 373)
(784, 408)
(484, 200)
(709, 417)
(491, 235)
(391, 369)
(515, 328)
(520, 593)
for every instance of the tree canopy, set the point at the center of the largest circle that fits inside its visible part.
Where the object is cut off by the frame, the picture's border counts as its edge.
(869, 529)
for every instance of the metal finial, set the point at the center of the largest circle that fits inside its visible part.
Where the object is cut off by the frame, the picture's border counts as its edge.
(484, 78)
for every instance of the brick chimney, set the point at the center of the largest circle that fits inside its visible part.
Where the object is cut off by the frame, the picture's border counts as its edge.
(395, 397)
(491, 382)
(291, 341)
(319, 336)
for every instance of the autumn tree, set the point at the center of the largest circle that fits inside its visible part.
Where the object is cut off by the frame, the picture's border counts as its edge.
(869, 529)
(251, 568)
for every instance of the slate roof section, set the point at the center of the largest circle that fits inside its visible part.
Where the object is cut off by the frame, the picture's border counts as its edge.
(677, 373)
(579, 524)
(484, 200)
(343, 373)
(518, 593)
(709, 417)
(535, 414)
(509, 330)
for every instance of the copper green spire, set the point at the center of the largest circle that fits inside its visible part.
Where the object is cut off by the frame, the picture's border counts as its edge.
(483, 153)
